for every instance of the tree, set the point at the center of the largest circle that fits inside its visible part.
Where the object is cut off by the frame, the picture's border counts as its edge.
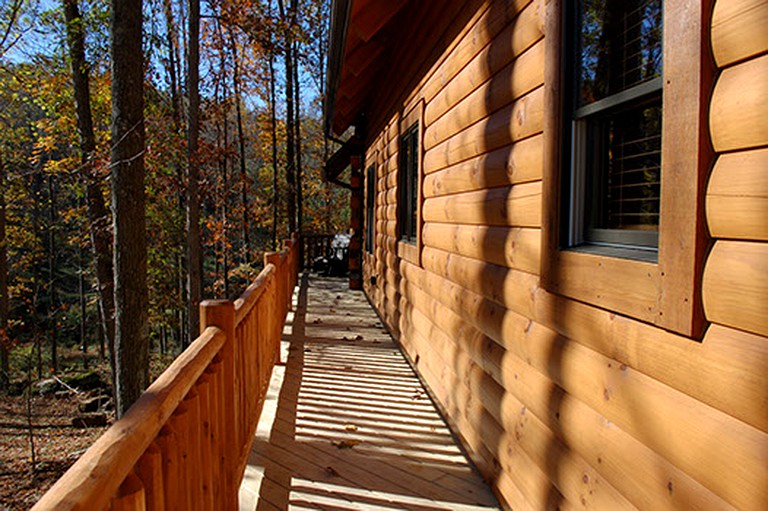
(98, 216)
(194, 257)
(289, 20)
(128, 203)
(246, 249)
(4, 341)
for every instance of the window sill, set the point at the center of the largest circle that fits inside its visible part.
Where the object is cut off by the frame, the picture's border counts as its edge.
(626, 286)
(634, 254)
(409, 251)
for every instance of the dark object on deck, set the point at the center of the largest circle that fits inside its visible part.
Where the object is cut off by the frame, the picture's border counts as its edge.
(335, 263)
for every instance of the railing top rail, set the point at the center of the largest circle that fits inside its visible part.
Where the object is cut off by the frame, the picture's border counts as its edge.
(252, 293)
(96, 476)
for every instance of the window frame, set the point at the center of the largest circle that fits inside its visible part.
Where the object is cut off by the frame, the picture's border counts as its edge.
(665, 293)
(411, 123)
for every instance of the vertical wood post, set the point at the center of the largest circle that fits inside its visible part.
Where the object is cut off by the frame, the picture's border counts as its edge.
(150, 470)
(207, 446)
(355, 252)
(130, 496)
(274, 258)
(180, 423)
(167, 441)
(221, 313)
(213, 373)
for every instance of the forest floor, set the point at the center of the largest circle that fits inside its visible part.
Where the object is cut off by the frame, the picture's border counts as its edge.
(58, 436)
(57, 445)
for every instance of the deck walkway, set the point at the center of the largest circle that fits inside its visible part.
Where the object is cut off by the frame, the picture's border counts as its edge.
(347, 425)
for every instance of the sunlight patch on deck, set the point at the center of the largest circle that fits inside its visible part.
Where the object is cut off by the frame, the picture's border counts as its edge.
(346, 423)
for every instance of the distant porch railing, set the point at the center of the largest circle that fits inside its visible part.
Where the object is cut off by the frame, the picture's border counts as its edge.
(185, 443)
(314, 246)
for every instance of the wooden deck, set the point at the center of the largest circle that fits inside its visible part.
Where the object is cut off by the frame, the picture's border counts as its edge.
(347, 424)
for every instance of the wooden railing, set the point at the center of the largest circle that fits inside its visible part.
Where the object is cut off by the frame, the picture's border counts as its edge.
(185, 443)
(314, 246)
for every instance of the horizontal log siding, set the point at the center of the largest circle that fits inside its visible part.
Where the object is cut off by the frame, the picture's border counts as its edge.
(559, 402)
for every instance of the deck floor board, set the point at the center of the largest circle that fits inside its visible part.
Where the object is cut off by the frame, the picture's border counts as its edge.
(347, 425)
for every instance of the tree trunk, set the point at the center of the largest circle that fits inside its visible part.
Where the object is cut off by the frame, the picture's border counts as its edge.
(194, 256)
(224, 163)
(172, 67)
(98, 216)
(273, 118)
(246, 255)
(297, 124)
(290, 156)
(83, 315)
(52, 297)
(128, 203)
(173, 58)
(4, 340)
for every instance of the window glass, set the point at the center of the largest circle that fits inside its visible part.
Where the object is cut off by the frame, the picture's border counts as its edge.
(619, 46)
(370, 207)
(616, 120)
(408, 183)
(626, 163)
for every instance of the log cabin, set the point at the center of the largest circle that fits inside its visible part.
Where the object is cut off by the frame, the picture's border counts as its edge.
(560, 210)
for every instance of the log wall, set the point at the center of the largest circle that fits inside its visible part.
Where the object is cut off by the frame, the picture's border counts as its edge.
(560, 403)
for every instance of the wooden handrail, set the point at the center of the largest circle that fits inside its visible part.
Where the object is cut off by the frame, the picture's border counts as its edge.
(185, 442)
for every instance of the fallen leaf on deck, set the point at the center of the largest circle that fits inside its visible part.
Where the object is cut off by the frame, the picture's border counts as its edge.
(350, 427)
(345, 444)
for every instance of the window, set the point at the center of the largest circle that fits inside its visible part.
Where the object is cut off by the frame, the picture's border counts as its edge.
(370, 208)
(627, 157)
(408, 184)
(615, 120)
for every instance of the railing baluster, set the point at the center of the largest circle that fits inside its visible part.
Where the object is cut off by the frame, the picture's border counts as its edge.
(206, 440)
(213, 373)
(167, 440)
(130, 496)
(221, 313)
(179, 423)
(194, 475)
(150, 470)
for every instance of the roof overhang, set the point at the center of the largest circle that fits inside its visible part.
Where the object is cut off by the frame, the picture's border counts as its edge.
(342, 159)
(359, 49)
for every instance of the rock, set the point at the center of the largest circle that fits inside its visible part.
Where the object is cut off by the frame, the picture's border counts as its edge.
(17, 388)
(84, 381)
(90, 420)
(93, 404)
(46, 387)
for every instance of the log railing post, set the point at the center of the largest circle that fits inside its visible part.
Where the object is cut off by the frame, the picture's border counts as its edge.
(221, 313)
(274, 258)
